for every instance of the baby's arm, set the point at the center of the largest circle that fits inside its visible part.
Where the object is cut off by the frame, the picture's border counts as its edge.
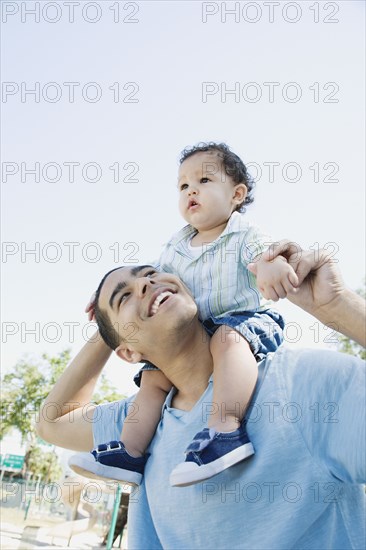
(275, 278)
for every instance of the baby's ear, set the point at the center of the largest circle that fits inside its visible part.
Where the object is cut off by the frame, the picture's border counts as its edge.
(240, 193)
(129, 355)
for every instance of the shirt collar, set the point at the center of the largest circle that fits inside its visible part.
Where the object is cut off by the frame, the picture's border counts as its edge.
(235, 224)
(263, 367)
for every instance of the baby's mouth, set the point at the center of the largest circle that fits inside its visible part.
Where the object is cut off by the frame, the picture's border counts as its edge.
(192, 203)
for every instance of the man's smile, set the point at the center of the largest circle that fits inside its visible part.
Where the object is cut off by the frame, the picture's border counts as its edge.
(159, 297)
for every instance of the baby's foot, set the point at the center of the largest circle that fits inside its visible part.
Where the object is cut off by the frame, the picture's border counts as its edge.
(210, 453)
(111, 461)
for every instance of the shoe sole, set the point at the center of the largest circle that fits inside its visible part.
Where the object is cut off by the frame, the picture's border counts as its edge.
(201, 473)
(96, 470)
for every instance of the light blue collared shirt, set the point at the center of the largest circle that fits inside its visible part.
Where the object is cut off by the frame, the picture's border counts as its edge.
(301, 490)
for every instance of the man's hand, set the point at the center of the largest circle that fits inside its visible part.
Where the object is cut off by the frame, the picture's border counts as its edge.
(319, 280)
(276, 278)
(321, 290)
(89, 308)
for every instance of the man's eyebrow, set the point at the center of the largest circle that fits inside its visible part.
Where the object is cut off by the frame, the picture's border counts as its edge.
(121, 285)
(117, 289)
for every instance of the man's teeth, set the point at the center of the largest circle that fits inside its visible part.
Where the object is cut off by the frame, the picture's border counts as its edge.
(159, 299)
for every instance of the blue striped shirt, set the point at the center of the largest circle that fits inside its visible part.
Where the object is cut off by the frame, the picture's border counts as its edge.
(216, 273)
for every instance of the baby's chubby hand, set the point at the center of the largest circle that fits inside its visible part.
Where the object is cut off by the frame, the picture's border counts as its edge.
(89, 308)
(275, 278)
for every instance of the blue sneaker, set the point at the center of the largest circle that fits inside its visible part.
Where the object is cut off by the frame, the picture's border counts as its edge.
(210, 453)
(111, 461)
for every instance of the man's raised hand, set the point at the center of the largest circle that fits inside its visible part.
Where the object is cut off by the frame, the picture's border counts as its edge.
(89, 308)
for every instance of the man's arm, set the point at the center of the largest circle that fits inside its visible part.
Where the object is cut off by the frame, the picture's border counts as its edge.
(64, 420)
(321, 290)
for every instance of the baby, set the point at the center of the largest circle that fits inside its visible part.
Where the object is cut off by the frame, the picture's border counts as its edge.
(210, 255)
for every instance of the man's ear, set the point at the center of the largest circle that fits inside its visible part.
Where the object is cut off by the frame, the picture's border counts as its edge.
(240, 192)
(127, 354)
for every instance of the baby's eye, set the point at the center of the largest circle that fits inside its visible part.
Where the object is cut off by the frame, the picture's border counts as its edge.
(204, 180)
(183, 186)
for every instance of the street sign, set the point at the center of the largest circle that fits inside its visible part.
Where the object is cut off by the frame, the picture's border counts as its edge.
(11, 462)
(43, 442)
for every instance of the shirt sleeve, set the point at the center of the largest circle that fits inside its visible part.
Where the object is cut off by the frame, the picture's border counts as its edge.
(108, 420)
(165, 260)
(254, 243)
(327, 389)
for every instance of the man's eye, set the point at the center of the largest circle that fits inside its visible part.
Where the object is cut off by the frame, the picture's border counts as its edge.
(204, 180)
(123, 298)
(149, 273)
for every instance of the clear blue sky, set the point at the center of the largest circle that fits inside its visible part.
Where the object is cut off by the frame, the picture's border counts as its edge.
(181, 69)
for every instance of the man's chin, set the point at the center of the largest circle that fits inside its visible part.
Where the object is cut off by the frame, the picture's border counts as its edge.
(186, 321)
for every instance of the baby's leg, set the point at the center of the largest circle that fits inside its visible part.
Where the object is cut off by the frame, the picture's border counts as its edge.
(235, 376)
(225, 442)
(143, 417)
(125, 461)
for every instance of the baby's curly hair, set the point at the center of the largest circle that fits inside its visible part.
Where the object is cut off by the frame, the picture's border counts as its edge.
(233, 166)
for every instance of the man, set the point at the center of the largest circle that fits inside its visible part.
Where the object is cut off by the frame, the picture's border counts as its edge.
(302, 489)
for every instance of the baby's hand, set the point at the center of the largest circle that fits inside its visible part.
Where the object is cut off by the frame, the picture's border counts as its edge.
(89, 309)
(275, 278)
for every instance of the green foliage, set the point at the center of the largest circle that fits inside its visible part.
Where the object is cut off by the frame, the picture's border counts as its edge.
(23, 391)
(105, 391)
(44, 464)
(349, 346)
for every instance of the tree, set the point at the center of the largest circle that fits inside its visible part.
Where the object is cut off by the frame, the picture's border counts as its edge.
(22, 393)
(349, 346)
(105, 391)
(44, 464)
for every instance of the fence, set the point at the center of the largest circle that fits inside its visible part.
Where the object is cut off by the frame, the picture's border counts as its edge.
(67, 508)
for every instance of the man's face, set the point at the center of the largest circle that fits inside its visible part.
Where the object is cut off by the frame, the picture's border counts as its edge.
(207, 195)
(146, 307)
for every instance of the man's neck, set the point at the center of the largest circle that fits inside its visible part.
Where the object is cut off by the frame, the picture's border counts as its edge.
(188, 365)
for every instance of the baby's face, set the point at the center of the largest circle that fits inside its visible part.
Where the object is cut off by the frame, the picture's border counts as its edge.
(207, 195)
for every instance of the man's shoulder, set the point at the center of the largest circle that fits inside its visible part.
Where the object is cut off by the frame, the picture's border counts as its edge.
(307, 373)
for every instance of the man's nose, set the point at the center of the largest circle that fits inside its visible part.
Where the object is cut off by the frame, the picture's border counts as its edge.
(142, 284)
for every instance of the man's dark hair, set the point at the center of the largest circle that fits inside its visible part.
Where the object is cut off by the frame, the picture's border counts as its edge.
(233, 166)
(106, 329)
